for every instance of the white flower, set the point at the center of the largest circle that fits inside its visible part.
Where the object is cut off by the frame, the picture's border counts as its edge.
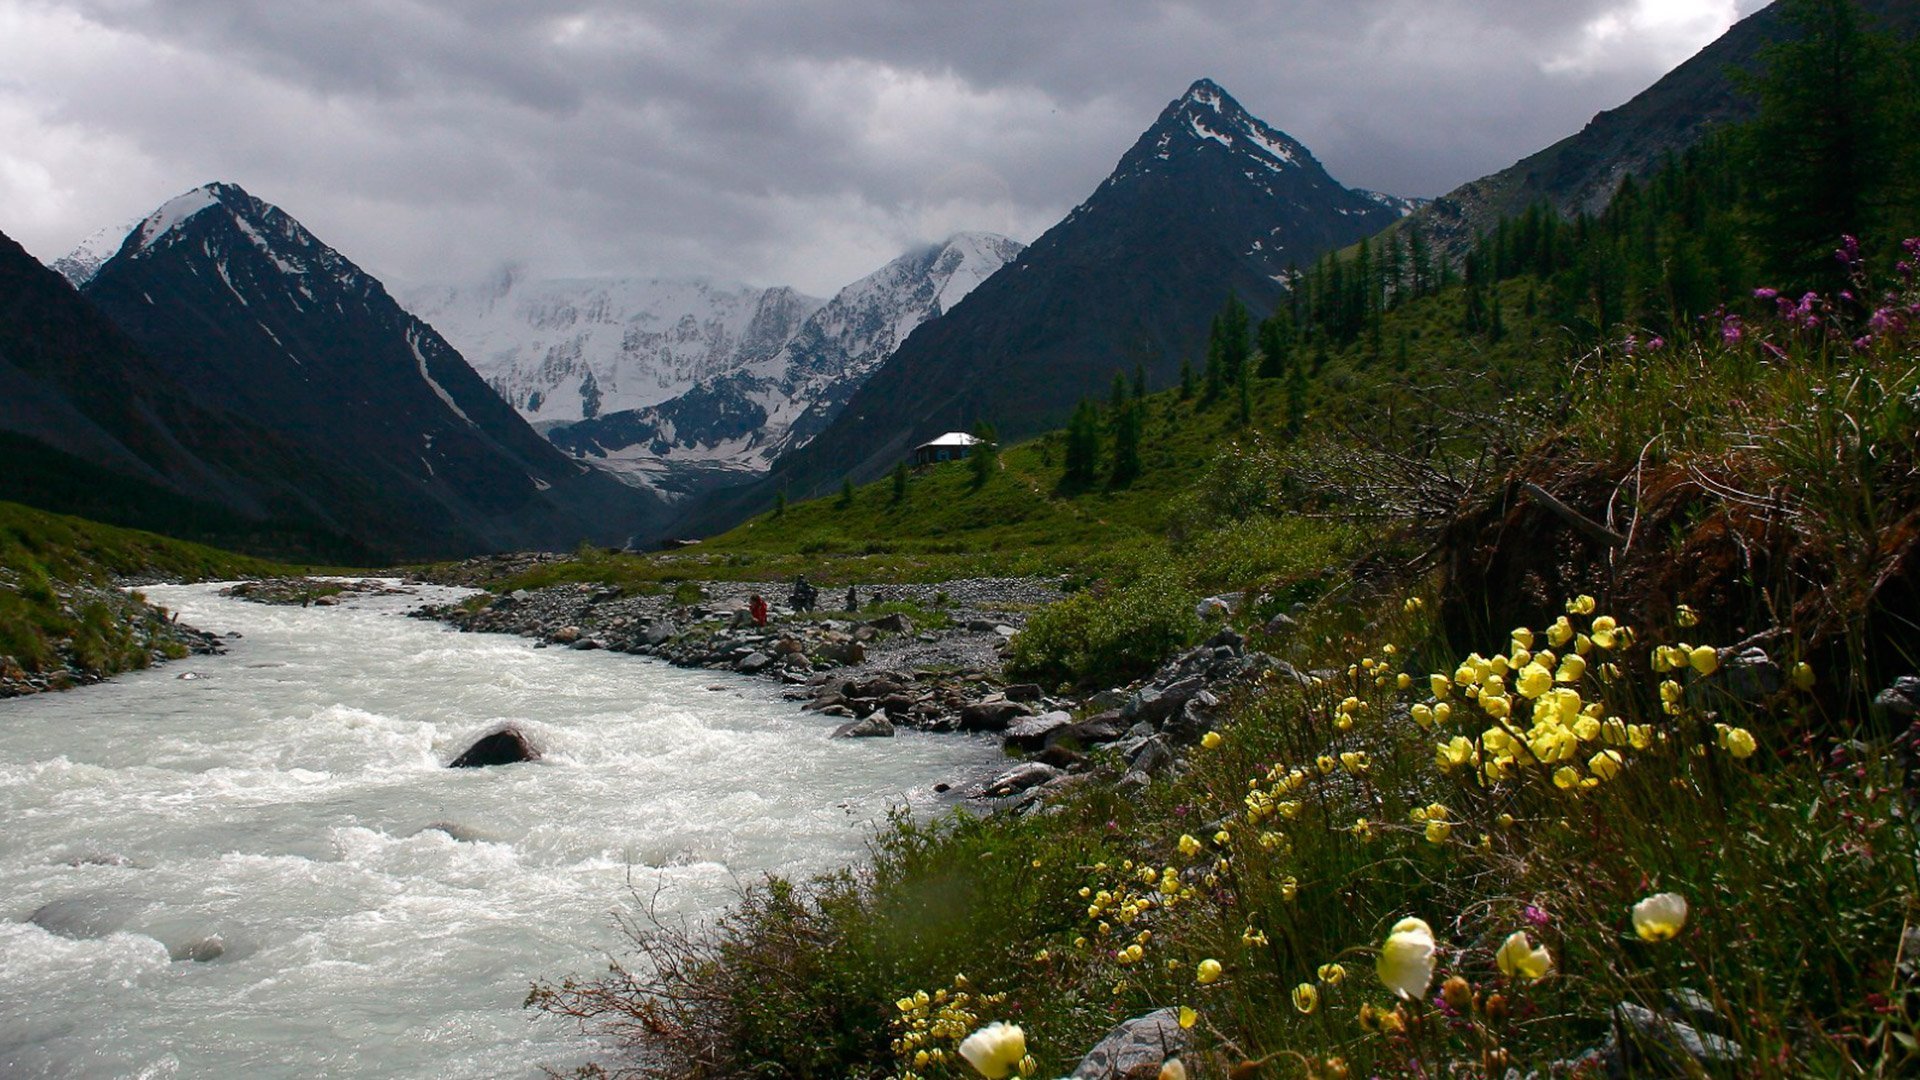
(1406, 960)
(995, 1050)
(1660, 916)
(1519, 958)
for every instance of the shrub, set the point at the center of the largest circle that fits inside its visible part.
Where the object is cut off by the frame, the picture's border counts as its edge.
(1106, 634)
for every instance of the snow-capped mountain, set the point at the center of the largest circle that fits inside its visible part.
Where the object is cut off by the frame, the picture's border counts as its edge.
(561, 350)
(78, 266)
(393, 439)
(740, 421)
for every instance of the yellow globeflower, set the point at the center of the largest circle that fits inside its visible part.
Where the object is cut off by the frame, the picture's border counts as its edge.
(1572, 669)
(1440, 685)
(1560, 632)
(1802, 675)
(995, 1050)
(1605, 764)
(1739, 742)
(1438, 831)
(1704, 660)
(1332, 974)
(1522, 637)
(1406, 959)
(1207, 972)
(1605, 631)
(1188, 845)
(1659, 917)
(1188, 1017)
(1211, 740)
(1580, 605)
(1565, 777)
(1519, 958)
(1686, 617)
(1534, 680)
(1306, 997)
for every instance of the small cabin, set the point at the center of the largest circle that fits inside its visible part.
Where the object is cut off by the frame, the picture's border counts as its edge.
(952, 446)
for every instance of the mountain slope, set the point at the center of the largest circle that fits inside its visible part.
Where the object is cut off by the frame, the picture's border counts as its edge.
(735, 425)
(406, 448)
(1208, 201)
(1580, 173)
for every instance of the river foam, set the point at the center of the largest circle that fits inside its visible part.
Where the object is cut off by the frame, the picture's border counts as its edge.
(267, 870)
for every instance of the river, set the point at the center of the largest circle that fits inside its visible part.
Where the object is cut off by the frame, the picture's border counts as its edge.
(375, 914)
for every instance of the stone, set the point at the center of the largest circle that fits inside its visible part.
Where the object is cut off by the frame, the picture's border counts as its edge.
(1136, 1049)
(991, 715)
(566, 635)
(586, 643)
(1030, 732)
(1154, 704)
(504, 747)
(1648, 1038)
(1152, 756)
(753, 663)
(1107, 699)
(895, 623)
(1749, 675)
(874, 726)
(1020, 778)
(1282, 624)
(658, 631)
(1894, 706)
(1028, 692)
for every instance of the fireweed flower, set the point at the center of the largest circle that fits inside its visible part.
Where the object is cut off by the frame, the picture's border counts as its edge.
(995, 1050)
(1520, 958)
(1659, 917)
(1406, 959)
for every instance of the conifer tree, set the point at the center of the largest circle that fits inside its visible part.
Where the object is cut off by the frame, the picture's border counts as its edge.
(1127, 424)
(846, 493)
(984, 458)
(899, 483)
(1083, 445)
(1276, 344)
(1186, 379)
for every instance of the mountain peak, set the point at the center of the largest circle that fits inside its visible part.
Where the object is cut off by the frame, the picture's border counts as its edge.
(1209, 94)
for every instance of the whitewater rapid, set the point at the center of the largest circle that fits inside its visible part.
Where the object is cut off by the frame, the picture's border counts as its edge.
(257, 864)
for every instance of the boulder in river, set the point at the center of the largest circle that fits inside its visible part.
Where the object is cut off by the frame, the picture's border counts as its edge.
(503, 747)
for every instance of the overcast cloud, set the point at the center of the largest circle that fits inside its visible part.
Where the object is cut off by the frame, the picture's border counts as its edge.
(803, 142)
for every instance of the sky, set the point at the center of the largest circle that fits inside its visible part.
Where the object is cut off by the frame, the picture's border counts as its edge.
(768, 142)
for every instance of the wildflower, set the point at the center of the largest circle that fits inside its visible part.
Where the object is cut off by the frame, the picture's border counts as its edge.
(1522, 638)
(1406, 960)
(1660, 916)
(1362, 829)
(1355, 761)
(1580, 605)
(1332, 974)
(1289, 887)
(1188, 1017)
(1457, 994)
(1207, 972)
(1253, 937)
(1704, 660)
(1423, 715)
(1571, 669)
(1605, 764)
(1534, 680)
(1802, 675)
(1173, 1070)
(1738, 742)
(1605, 631)
(1438, 831)
(1440, 685)
(1686, 617)
(1520, 958)
(1211, 740)
(995, 1050)
(1560, 632)
(1306, 997)
(1188, 845)
(1566, 778)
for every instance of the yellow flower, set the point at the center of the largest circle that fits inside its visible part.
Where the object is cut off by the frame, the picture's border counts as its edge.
(1362, 829)
(995, 1050)
(1188, 845)
(1438, 831)
(1332, 974)
(1522, 637)
(1324, 763)
(1518, 958)
(1211, 740)
(1534, 680)
(1738, 742)
(1188, 1017)
(1402, 680)
(1560, 632)
(1207, 972)
(1440, 685)
(1605, 764)
(1659, 917)
(1802, 675)
(1565, 777)
(1496, 706)
(1454, 752)
(1686, 617)
(1356, 761)
(1704, 660)
(1580, 605)
(1572, 669)
(1406, 960)
(1423, 715)
(1605, 631)
(1306, 997)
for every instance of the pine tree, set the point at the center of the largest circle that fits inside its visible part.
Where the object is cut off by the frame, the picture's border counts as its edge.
(1276, 344)
(1186, 379)
(846, 493)
(984, 459)
(1127, 425)
(899, 483)
(1083, 445)
(1832, 149)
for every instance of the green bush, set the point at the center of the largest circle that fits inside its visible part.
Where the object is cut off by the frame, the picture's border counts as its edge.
(1106, 634)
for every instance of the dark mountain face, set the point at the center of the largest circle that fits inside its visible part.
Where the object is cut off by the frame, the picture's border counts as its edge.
(1581, 172)
(1209, 201)
(405, 447)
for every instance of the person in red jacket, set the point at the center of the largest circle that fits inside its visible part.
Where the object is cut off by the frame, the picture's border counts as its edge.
(757, 607)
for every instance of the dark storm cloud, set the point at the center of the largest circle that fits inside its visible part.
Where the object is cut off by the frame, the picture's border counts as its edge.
(804, 142)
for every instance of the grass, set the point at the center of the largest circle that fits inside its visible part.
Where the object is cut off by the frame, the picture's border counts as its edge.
(59, 610)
